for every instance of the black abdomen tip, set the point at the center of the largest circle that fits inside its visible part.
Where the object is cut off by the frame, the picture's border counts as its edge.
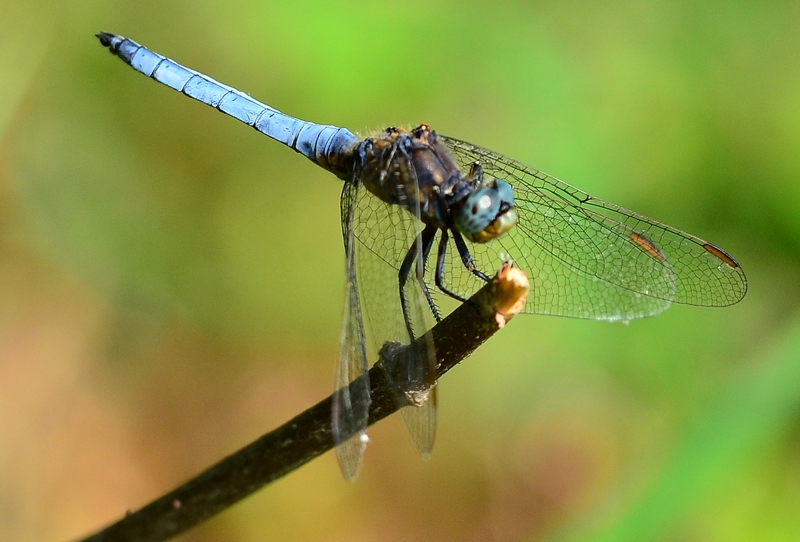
(107, 39)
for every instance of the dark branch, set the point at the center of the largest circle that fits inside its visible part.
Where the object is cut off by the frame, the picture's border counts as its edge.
(308, 435)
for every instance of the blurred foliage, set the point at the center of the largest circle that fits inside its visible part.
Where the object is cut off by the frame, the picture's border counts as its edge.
(172, 281)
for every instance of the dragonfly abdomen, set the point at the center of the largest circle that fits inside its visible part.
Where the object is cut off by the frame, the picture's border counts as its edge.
(330, 147)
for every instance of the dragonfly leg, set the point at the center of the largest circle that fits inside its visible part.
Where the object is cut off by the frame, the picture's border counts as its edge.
(466, 257)
(405, 269)
(426, 250)
(476, 172)
(440, 257)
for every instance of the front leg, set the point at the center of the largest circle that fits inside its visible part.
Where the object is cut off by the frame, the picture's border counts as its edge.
(466, 257)
(440, 258)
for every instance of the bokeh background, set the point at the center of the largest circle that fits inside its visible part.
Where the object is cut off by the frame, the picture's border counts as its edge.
(171, 282)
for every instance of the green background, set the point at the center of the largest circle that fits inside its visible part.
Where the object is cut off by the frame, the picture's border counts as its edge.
(171, 282)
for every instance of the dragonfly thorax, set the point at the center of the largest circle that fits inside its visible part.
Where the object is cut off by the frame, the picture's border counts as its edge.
(410, 169)
(415, 170)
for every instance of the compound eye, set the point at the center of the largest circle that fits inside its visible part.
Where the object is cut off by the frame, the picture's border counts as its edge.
(478, 211)
(504, 192)
(488, 213)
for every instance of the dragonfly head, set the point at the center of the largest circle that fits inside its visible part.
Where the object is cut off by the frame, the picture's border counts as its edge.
(487, 213)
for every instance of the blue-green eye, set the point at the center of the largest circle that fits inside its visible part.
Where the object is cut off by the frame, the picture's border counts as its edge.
(488, 213)
(505, 192)
(478, 211)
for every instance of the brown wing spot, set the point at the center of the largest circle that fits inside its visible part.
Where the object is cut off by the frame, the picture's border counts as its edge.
(648, 246)
(721, 254)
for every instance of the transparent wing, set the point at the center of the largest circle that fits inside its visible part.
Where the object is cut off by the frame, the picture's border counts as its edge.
(420, 422)
(588, 258)
(351, 398)
(385, 234)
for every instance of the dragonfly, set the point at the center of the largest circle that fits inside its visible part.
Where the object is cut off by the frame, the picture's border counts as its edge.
(407, 191)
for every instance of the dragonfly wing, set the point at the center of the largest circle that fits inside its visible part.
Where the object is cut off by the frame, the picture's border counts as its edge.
(420, 422)
(386, 234)
(351, 398)
(588, 258)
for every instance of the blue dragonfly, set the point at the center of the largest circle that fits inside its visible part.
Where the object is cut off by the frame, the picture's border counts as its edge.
(406, 191)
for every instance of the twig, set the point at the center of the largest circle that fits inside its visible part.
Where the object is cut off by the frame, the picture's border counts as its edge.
(308, 435)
